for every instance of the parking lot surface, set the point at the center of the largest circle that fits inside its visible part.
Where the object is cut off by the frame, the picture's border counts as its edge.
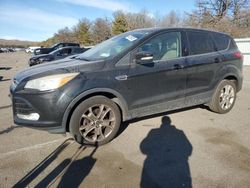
(186, 148)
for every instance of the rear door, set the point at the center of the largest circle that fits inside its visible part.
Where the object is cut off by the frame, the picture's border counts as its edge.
(203, 61)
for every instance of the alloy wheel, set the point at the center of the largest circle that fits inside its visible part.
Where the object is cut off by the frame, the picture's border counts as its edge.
(97, 123)
(227, 97)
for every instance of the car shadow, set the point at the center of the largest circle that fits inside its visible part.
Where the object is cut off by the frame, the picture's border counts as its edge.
(5, 68)
(4, 80)
(7, 106)
(36, 171)
(167, 150)
(70, 172)
(77, 171)
(9, 129)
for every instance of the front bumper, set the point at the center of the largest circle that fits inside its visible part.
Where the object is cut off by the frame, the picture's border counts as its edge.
(50, 107)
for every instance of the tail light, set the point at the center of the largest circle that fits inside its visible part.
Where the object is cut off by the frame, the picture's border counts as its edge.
(238, 55)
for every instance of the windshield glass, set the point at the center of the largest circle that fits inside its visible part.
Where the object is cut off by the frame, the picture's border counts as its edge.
(113, 46)
(54, 45)
(54, 52)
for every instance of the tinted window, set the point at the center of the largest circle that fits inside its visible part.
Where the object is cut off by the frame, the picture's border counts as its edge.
(78, 50)
(64, 52)
(221, 41)
(164, 47)
(200, 43)
(233, 45)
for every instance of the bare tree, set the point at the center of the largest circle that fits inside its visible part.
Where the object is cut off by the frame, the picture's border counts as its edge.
(65, 35)
(172, 19)
(222, 15)
(101, 30)
(142, 19)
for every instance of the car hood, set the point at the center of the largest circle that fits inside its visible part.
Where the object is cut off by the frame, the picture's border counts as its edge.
(67, 65)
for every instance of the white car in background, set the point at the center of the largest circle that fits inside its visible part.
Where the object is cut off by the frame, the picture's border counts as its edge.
(31, 49)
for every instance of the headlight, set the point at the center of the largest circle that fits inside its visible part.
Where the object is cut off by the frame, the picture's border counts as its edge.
(50, 82)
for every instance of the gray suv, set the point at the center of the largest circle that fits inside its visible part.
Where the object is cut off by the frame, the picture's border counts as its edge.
(135, 74)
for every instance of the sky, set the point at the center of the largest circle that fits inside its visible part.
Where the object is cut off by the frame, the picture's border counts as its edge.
(38, 20)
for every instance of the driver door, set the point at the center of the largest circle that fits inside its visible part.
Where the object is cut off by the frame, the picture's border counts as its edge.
(159, 84)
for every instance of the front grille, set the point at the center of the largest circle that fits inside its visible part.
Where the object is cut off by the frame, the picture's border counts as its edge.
(22, 107)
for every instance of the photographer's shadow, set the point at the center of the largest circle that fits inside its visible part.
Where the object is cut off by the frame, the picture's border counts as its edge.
(167, 150)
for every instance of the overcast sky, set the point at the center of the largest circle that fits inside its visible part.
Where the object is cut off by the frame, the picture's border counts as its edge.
(39, 20)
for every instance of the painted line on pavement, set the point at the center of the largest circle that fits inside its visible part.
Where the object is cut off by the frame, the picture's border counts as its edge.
(3, 155)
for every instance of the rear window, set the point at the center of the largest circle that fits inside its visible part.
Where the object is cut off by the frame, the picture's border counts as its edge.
(233, 45)
(221, 41)
(199, 43)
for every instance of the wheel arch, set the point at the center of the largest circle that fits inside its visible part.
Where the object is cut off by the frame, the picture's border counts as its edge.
(109, 93)
(234, 78)
(230, 72)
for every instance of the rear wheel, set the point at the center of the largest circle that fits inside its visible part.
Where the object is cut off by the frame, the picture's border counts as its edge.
(224, 97)
(95, 121)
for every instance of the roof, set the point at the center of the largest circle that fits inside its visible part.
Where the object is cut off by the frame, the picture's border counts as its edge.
(155, 29)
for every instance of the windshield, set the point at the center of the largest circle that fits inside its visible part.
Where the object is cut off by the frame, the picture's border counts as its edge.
(113, 46)
(54, 52)
(54, 45)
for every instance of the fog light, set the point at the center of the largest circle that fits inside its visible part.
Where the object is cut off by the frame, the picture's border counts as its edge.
(32, 116)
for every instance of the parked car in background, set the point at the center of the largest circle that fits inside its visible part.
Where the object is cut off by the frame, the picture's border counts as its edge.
(11, 49)
(54, 47)
(134, 74)
(7, 50)
(31, 49)
(55, 55)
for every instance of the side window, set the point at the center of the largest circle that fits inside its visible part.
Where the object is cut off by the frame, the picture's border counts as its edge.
(221, 41)
(68, 51)
(163, 47)
(200, 43)
(64, 52)
(60, 46)
(233, 44)
(78, 50)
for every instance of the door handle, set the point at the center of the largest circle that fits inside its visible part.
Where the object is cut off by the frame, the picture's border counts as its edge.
(178, 66)
(121, 77)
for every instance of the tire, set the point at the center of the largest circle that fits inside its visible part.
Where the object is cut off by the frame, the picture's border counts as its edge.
(224, 97)
(95, 121)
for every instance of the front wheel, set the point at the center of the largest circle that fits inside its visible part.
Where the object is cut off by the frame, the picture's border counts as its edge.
(95, 121)
(224, 97)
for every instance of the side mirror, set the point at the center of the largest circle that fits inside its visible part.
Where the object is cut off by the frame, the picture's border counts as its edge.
(144, 57)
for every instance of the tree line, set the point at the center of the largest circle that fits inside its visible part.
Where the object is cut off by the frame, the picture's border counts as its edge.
(229, 16)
